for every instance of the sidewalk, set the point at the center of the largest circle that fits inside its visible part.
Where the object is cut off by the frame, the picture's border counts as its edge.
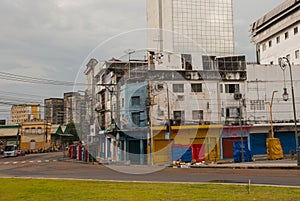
(260, 164)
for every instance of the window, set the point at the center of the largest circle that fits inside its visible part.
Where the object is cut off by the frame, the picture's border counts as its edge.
(39, 130)
(208, 62)
(278, 39)
(197, 115)
(232, 112)
(33, 131)
(270, 43)
(297, 54)
(296, 30)
(196, 87)
(135, 101)
(286, 35)
(123, 102)
(288, 57)
(178, 115)
(136, 118)
(26, 130)
(221, 88)
(178, 88)
(186, 60)
(232, 88)
(264, 47)
(257, 105)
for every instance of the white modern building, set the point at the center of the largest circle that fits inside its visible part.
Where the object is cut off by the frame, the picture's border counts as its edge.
(276, 34)
(191, 26)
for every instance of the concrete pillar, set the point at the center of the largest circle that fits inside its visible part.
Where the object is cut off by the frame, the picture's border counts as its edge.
(105, 148)
(141, 152)
(125, 149)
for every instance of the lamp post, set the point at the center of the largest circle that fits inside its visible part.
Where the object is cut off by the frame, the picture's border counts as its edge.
(271, 115)
(283, 63)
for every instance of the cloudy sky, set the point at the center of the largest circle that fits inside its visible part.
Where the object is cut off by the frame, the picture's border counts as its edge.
(53, 39)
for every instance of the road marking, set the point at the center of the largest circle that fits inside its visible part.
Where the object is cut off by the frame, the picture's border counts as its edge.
(23, 162)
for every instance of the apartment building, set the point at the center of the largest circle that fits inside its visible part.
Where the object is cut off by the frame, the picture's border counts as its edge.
(276, 34)
(54, 110)
(23, 113)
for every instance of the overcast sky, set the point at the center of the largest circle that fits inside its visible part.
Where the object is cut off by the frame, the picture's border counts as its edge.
(53, 39)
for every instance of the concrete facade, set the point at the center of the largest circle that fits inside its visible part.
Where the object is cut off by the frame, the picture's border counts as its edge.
(74, 108)
(54, 110)
(262, 80)
(23, 113)
(276, 34)
(35, 135)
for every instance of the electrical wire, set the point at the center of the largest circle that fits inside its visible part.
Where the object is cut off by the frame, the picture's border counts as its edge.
(34, 80)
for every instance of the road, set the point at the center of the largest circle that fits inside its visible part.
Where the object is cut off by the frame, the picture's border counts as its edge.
(51, 166)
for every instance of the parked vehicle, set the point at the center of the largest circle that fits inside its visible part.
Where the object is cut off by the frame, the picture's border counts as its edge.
(20, 152)
(10, 150)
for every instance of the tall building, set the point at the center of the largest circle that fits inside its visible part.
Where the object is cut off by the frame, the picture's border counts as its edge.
(23, 113)
(54, 110)
(74, 107)
(276, 34)
(186, 26)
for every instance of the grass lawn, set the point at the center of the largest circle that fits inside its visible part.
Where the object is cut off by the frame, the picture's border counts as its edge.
(43, 189)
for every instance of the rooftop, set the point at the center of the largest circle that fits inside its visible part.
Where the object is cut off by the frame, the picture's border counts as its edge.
(274, 14)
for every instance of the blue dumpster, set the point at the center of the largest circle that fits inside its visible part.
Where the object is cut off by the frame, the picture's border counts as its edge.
(237, 152)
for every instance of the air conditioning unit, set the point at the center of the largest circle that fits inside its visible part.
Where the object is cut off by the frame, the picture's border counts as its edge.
(230, 76)
(188, 76)
(237, 96)
(195, 76)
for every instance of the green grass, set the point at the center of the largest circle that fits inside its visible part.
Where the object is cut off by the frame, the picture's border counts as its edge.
(42, 189)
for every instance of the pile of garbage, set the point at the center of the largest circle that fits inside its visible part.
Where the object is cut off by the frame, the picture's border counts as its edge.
(180, 164)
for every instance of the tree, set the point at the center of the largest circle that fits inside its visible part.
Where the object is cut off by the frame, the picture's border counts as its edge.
(71, 129)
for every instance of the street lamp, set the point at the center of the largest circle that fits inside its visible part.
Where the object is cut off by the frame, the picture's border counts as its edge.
(283, 63)
(285, 94)
(271, 115)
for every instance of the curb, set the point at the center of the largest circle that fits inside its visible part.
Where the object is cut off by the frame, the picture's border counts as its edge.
(249, 167)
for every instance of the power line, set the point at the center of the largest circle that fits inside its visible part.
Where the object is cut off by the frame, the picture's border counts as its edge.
(34, 80)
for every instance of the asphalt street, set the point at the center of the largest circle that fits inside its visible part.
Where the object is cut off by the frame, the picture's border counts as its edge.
(51, 166)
